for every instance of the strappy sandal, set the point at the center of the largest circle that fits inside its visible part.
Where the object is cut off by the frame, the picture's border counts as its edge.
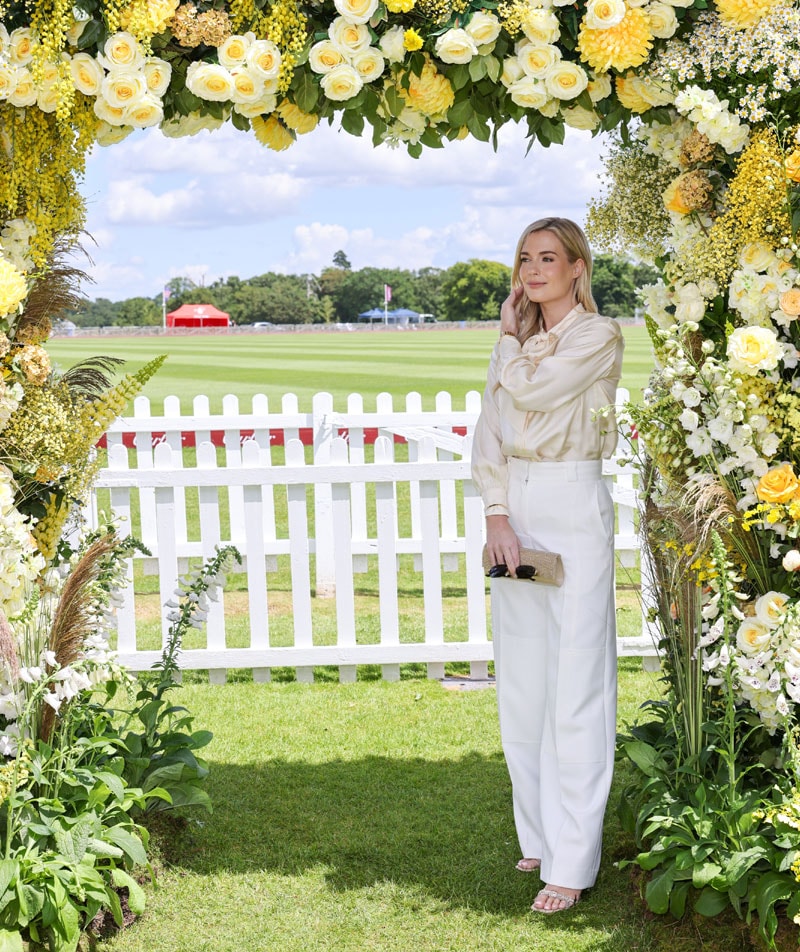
(526, 865)
(569, 901)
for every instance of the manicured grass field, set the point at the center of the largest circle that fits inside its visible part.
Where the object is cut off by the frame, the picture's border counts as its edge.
(304, 363)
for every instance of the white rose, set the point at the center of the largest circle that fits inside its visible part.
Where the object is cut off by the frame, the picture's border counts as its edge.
(75, 31)
(690, 304)
(349, 36)
(579, 118)
(87, 74)
(752, 636)
(122, 50)
(600, 87)
(483, 27)
(209, 81)
(603, 14)
(234, 50)
(325, 56)
(456, 46)
(8, 80)
(537, 58)
(247, 86)
(541, 26)
(392, 44)
(113, 115)
(24, 93)
(123, 88)
(751, 349)
(341, 83)
(566, 80)
(512, 71)
(265, 104)
(148, 111)
(356, 11)
(190, 125)
(48, 95)
(4, 38)
(264, 58)
(529, 93)
(157, 74)
(110, 135)
(661, 19)
(369, 64)
(20, 46)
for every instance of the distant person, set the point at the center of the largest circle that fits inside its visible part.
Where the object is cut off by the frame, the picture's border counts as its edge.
(537, 461)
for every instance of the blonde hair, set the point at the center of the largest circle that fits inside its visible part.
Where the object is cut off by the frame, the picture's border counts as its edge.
(577, 248)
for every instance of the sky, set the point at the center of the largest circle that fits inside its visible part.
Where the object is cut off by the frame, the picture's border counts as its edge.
(220, 204)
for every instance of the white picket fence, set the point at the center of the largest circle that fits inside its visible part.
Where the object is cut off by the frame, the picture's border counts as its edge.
(348, 486)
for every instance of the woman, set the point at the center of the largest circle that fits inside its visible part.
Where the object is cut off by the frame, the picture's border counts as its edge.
(537, 461)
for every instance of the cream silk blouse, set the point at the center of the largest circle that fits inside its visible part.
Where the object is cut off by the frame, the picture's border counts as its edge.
(541, 397)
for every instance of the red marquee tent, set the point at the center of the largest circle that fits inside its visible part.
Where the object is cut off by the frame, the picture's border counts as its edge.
(198, 315)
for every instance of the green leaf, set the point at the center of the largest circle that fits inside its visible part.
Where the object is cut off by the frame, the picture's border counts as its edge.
(677, 900)
(306, 91)
(136, 897)
(770, 889)
(493, 68)
(477, 68)
(703, 874)
(353, 122)
(130, 844)
(478, 129)
(646, 758)
(394, 101)
(459, 76)
(459, 113)
(10, 941)
(710, 902)
(657, 893)
(8, 871)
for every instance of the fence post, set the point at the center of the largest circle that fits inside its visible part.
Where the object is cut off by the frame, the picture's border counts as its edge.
(322, 414)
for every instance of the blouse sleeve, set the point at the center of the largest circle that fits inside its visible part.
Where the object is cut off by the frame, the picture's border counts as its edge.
(489, 465)
(589, 355)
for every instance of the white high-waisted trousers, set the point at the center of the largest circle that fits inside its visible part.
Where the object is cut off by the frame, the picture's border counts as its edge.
(556, 668)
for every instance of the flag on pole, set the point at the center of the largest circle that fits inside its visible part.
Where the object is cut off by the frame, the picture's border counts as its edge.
(387, 293)
(166, 294)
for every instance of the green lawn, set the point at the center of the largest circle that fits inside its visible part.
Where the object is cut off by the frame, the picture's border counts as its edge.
(304, 363)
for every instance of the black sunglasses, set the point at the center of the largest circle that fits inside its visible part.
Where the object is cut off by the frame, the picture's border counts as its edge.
(501, 571)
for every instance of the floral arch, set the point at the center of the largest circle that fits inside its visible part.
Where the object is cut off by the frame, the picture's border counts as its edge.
(701, 98)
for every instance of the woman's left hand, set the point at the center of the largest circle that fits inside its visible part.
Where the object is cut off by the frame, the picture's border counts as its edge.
(509, 316)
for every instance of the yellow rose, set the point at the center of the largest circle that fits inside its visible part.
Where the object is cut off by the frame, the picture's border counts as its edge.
(123, 88)
(566, 80)
(341, 83)
(430, 93)
(87, 74)
(272, 133)
(20, 46)
(349, 36)
(8, 81)
(113, 115)
(778, 484)
(793, 166)
(752, 636)
(295, 118)
(369, 64)
(123, 50)
(537, 58)
(24, 93)
(790, 302)
(770, 608)
(265, 104)
(751, 349)
(673, 200)
(157, 74)
(13, 288)
(529, 93)
(110, 135)
(233, 51)
(209, 81)
(325, 56)
(356, 11)
(264, 58)
(247, 87)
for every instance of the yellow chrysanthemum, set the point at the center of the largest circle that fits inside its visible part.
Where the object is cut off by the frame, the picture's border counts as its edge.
(400, 6)
(619, 47)
(429, 93)
(13, 288)
(272, 133)
(744, 13)
(294, 117)
(629, 96)
(412, 40)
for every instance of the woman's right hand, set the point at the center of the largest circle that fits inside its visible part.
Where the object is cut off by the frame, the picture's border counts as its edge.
(509, 314)
(502, 543)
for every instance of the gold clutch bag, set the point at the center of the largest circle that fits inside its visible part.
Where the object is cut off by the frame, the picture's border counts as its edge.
(546, 568)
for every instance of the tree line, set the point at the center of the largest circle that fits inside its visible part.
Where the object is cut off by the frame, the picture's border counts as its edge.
(467, 291)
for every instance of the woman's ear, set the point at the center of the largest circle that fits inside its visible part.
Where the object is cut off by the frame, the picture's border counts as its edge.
(578, 268)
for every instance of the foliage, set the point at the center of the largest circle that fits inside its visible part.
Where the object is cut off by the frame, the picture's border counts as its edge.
(474, 290)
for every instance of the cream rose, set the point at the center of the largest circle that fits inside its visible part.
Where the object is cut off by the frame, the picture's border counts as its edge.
(123, 88)
(8, 80)
(20, 46)
(264, 57)
(24, 92)
(579, 118)
(483, 27)
(122, 50)
(113, 115)
(4, 38)
(247, 86)
(210, 81)
(690, 304)
(356, 11)
(512, 71)
(342, 82)
(779, 484)
(157, 74)
(145, 113)
(369, 64)
(661, 19)
(536, 59)
(770, 608)
(325, 56)
(541, 26)
(392, 45)
(566, 80)
(758, 256)
(600, 87)
(529, 93)
(456, 46)
(603, 14)
(75, 31)
(233, 51)
(49, 94)
(110, 135)
(190, 125)
(349, 36)
(265, 104)
(87, 74)
(752, 636)
(751, 349)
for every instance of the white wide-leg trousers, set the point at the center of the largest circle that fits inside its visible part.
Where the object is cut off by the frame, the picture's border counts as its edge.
(556, 668)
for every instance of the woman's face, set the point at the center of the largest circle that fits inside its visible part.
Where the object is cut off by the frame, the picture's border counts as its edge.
(546, 273)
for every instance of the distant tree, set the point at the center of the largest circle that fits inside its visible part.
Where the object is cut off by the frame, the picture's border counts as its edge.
(362, 290)
(615, 281)
(138, 312)
(340, 260)
(473, 290)
(427, 291)
(99, 313)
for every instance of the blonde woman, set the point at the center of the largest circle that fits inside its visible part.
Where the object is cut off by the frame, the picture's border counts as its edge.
(537, 461)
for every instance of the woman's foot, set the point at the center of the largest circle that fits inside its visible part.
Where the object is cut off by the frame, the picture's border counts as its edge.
(555, 899)
(526, 865)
